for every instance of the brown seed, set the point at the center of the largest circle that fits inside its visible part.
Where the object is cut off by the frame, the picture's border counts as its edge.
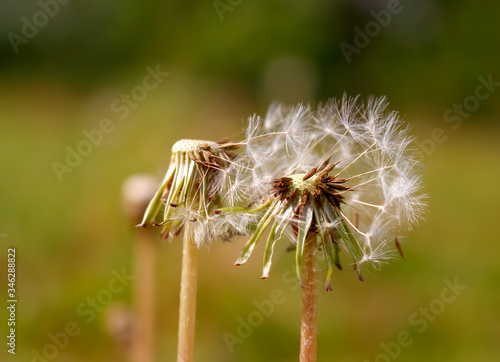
(338, 180)
(292, 194)
(338, 187)
(197, 156)
(207, 156)
(329, 191)
(398, 246)
(317, 201)
(323, 164)
(329, 168)
(229, 146)
(305, 197)
(205, 146)
(334, 200)
(360, 277)
(224, 140)
(310, 174)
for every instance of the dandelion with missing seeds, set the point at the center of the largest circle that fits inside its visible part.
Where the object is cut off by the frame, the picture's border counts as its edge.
(340, 179)
(344, 173)
(196, 183)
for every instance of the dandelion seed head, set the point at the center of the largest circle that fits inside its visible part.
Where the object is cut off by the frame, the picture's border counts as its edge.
(367, 197)
(202, 176)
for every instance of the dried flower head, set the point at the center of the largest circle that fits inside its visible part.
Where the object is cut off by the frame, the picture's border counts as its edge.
(197, 182)
(343, 173)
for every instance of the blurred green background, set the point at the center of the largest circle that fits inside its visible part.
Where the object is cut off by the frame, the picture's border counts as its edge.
(226, 60)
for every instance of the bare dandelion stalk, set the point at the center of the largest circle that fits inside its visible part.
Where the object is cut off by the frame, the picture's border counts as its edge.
(308, 329)
(137, 191)
(187, 311)
(143, 343)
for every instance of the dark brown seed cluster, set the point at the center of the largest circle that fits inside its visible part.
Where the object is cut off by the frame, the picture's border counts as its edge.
(206, 156)
(329, 186)
(282, 187)
(324, 186)
(332, 188)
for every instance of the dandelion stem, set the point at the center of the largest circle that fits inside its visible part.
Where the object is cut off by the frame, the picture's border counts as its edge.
(187, 311)
(308, 329)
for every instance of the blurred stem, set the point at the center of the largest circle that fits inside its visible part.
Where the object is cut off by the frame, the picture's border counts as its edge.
(143, 341)
(187, 312)
(308, 330)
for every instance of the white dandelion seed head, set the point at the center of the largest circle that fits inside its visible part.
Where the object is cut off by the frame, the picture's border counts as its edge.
(374, 183)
